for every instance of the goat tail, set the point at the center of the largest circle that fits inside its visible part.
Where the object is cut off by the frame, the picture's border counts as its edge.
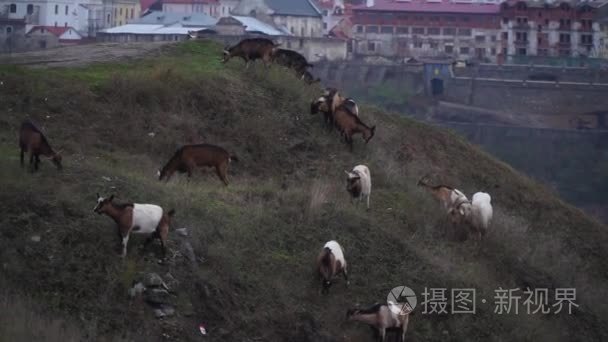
(171, 212)
(233, 158)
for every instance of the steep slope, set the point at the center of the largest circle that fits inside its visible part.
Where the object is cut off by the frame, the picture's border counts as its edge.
(255, 241)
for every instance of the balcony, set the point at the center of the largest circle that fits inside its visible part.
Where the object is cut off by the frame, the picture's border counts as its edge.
(521, 26)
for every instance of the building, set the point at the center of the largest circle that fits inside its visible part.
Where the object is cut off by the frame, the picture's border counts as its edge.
(208, 7)
(237, 25)
(158, 26)
(557, 28)
(124, 11)
(301, 18)
(64, 35)
(461, 29)
(332, 12)
(602, 18)
(12, 35)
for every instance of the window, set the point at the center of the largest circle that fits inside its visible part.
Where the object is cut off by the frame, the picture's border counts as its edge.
(521, 51)
(521, 37)
(480, 39)
(120, 11)
(65, 24)
(13, 8)
(66, 9)
(543, 52)
(132, 13)
(505, 36)
(521, 6)
(464, 32)
(56, 9)
(448, 49)
(464, 50)
(586, 39)
(418, 45)
(108, 20)
(505, 20)
(402, 30)
(522, 20)
(349, 46)
(302, 33)
(9, 29)
(418, 30)
(434, 31)
(386, 29)
(586, 24)
(371, 29)
(30, 9)
(359, 29)
(449, 31)
(434, 45)
(466, 19)
(325, 26)
(371, 46)
(564, 38)
(116, 13)
(493, 38)
(504, 51)
(493, 51)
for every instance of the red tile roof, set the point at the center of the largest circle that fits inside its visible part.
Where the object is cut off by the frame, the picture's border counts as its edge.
(56, 30)
(442, 6)
(145, 4)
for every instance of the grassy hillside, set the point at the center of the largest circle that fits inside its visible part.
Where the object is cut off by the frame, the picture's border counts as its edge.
(256, 240)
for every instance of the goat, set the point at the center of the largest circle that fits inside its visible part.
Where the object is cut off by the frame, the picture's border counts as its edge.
(188, 157)
(251, 49)
(447, 195)
(381, 317)
(476, 213)
(293, 60)
(330, 263)
(309, 78)
(359, 183)
(349, 124)
(136, 218)
(33, 141)
(326, 102)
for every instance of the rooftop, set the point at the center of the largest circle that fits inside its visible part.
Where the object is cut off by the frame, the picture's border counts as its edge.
(435, 6)
(304, 8)
(254, 25)
(170, 18)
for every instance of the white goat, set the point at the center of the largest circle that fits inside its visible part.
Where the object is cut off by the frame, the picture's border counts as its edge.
(359, 183)
(477, 213)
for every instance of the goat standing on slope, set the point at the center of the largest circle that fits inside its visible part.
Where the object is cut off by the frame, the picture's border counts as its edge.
(188, 157)
(33, 141)
(331, 263)
(359, 183)
(136, 218)
(476, 213)
(381, 317)
(447, 195)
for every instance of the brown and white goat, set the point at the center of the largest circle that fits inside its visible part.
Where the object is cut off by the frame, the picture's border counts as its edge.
(359, 183)
(381, 317)
(136, 218)
(447, 195)
(330, 263)
(33, 141)
(188, 157)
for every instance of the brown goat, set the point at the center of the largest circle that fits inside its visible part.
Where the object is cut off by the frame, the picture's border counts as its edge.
(349, 124)
(331, 262)
(188, 157)
(33, 141)
(136, 218)
(447, 195)
(251, 49)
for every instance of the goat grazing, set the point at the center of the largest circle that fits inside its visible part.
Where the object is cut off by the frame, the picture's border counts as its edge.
(188, 157)
(447, 195)
(251, 49)
(331, 263)
(476, 213)
(33, 141)
(136, 218)
(359, 183)
(293, 60)
(381, 317)
(349, 124)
